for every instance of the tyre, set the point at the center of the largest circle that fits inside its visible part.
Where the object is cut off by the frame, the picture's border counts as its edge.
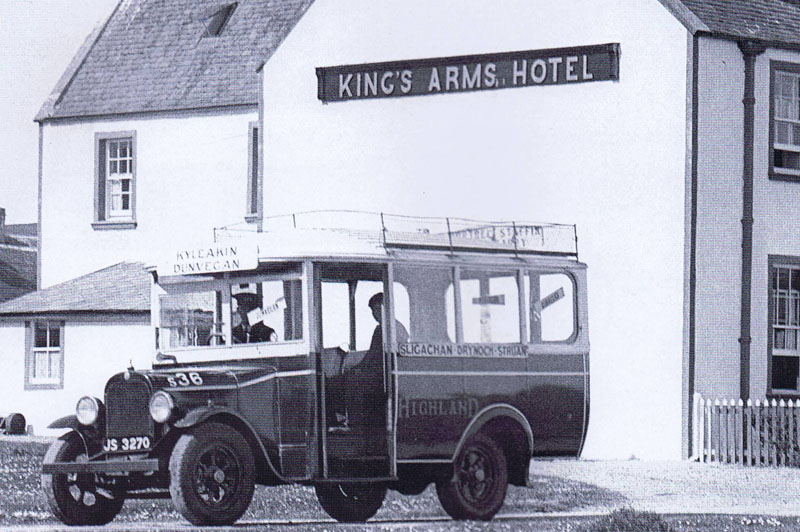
(476, 489)
(74, 497)
(350, 503)
(212, 475)
(411, 485)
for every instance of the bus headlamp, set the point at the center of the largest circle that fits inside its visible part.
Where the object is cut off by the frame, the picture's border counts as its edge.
(161, 406)
(87, 410)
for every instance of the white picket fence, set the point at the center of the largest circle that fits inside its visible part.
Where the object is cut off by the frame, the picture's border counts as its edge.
(758, 433)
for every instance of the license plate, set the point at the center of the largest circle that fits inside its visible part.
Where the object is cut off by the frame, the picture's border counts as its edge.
(133, 443)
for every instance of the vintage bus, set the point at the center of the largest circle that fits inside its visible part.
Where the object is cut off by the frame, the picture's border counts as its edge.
(355, 359)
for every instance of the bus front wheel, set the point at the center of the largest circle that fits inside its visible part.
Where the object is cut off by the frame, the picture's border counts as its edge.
(476, 489)
(212, 475)
(74, 497)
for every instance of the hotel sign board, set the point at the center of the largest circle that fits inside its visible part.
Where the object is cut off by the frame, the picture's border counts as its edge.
(557, 66)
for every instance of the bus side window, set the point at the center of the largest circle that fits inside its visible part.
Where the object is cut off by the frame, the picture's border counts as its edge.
(335, 314)
(277, 305)
(191, 319)
(293, 315)
(551, 299)
(430, 313)
(402, 311)
(490, 306)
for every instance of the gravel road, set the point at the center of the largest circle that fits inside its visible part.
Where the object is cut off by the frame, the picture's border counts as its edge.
(686, 487)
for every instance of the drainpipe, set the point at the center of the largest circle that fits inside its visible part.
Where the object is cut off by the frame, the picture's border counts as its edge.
(750, 51)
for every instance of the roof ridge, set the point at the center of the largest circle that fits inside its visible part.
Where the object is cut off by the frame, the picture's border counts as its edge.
(685, 16)
(123, 286)
(142, 59)
(76, 279)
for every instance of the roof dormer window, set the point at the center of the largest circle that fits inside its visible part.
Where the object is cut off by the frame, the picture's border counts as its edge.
(217, 20)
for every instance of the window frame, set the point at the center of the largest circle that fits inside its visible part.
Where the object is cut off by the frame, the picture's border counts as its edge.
(776, 67)
(223, 285)
(513, 272)
(54, 383)
(455, 279)
(575, 307)
(254, 174)
(102, 220)
(774, 262)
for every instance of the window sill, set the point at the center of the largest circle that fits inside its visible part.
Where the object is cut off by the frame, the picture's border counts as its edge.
(113, 226)
(780, 393)
(776, 175)
(44, 386)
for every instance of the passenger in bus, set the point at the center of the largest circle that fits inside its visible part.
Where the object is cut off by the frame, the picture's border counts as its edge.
(244, 332)
(364, 380)
(375, 304)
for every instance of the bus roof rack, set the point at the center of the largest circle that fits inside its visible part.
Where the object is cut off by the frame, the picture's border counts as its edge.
(393, 231)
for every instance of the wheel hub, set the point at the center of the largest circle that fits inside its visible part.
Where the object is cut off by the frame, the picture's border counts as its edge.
(218, 476)
(475, 477)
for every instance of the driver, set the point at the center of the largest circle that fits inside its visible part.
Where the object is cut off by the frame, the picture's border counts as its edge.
(245, 333)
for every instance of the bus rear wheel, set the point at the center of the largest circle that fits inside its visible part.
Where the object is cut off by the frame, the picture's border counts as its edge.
(350, 503)
(476, 489)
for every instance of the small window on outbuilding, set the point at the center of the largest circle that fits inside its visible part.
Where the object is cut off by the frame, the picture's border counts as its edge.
(216, 21)
(44, 355)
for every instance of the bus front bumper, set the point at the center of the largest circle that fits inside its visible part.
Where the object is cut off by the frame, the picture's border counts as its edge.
(115, 466)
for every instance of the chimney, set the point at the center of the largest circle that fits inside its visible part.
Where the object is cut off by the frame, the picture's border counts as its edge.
(2, 219)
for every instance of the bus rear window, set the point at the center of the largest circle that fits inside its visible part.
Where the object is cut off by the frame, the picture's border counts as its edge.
(551, 298)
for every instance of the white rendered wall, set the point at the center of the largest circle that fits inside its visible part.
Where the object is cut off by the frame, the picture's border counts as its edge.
(93, 352)
(719, 236)
(191, 176)
(607, 156)
(776, 220)
(719, 214)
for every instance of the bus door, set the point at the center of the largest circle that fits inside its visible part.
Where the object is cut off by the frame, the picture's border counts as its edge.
(354, 384)
(558, 361)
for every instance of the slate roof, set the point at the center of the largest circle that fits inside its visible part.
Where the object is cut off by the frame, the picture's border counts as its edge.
(150, 55)
(17, 263)
(773, 21)
(29, 230)
(123, 287)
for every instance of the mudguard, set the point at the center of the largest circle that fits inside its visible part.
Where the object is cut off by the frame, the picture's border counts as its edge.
(66, 422)
(492, 412)
(199, 415)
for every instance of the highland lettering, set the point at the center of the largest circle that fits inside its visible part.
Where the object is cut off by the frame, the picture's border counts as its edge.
(463, 407)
